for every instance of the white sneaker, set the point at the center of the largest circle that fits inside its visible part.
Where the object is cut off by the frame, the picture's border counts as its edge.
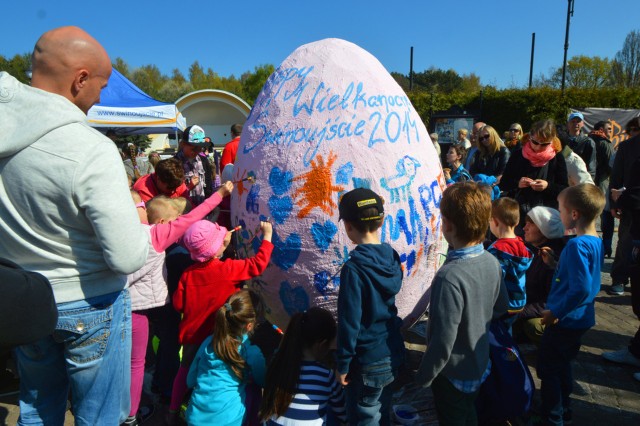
(636, 376)
(623, 356)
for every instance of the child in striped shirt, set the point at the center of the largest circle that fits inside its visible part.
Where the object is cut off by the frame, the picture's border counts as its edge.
(299, 389)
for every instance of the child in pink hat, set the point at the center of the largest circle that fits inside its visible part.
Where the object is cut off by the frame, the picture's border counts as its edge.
(205, 286)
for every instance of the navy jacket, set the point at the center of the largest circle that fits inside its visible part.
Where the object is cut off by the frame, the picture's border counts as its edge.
(368, 322)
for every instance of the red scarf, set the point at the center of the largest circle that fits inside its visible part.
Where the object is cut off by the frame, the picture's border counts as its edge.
(600, 133)
(538, 159)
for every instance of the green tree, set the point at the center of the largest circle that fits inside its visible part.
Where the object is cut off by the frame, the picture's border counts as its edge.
(252, 83)
(197, 76)
(401, 79)
(18, 66)
(435, 79)
(626, 65)
(584, 72)
(122, 67)
(149, 79)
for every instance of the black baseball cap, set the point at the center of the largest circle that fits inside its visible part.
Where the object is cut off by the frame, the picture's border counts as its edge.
(354, 202)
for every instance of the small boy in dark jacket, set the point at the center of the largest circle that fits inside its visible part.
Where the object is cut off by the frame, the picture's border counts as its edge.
(466, 294)
(370, 347)
(512, 254)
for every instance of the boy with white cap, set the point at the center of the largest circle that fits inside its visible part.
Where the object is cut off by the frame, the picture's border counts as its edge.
(543, 230)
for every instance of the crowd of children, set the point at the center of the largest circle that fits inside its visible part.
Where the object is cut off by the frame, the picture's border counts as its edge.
(473, 287)
(191, 295)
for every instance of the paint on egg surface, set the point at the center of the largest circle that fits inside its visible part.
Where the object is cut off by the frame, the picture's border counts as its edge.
(328, 120)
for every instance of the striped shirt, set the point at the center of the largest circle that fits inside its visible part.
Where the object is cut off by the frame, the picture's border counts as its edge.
(317, 389)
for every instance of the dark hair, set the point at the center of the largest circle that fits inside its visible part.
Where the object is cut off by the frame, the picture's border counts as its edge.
(600, 124)
(170, 172)
(364, 226)
(236, 130)
(460, 150)
(468, 208)
(304, 330)
(231, 323)
(634, 122)
(506, 210)
(132, 155)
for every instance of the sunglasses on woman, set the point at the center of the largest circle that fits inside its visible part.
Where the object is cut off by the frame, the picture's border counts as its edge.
(483, 138)
(514, 130)
(535, 142)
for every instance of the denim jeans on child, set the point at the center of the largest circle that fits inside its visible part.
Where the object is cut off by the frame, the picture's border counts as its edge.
(89, 353)
(369, 394)
(558, 348)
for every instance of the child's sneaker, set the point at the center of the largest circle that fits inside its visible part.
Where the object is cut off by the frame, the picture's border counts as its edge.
(130, 421)
(623, 356)
(145, 412)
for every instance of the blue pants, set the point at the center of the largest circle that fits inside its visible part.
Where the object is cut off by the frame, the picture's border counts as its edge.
(89, 353)
(558, 348)
(369, 393)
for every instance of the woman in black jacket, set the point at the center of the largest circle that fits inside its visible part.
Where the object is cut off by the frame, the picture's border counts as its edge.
(492, 156)
(536, 173)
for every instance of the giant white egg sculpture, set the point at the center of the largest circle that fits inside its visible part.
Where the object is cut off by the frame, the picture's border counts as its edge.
(328, 120)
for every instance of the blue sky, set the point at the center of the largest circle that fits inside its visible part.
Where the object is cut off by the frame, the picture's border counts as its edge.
(491, 38)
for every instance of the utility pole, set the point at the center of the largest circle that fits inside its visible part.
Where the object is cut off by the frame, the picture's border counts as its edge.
(533, 47)
(566, 41)
(411, 70)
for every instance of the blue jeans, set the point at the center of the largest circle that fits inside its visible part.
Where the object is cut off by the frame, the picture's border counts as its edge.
(89, 353)
(369, 394)
(558, 348)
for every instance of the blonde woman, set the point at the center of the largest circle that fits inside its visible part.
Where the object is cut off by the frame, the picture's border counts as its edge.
(515, 136)
(492, 156)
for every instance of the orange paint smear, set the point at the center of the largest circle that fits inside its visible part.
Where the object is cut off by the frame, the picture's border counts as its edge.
(317, 189)
(418, 257)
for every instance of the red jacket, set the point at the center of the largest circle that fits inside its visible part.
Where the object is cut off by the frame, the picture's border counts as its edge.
(229, 153)
(206, 286)
(147, 188)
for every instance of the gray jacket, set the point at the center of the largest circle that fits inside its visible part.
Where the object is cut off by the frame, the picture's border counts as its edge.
(585, 147)
(466, 294)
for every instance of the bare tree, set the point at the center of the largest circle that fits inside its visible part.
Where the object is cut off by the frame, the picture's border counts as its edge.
(626, 65)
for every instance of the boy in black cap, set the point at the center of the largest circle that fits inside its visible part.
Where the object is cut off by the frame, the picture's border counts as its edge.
(370, 347)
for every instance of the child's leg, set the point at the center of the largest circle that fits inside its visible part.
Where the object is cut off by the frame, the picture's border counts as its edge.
(453, 406)
(180, 383)
(166, 324)
(366, 396)
(139, 339)
(558, 348)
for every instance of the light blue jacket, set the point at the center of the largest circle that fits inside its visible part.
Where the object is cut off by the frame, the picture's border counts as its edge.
(218, 396)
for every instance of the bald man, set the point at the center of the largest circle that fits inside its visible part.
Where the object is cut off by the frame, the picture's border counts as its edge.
(73, 221)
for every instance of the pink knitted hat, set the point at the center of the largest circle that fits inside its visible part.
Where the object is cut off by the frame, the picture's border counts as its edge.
(203, 239)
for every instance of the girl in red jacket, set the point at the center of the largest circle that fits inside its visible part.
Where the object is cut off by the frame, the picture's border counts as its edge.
(205, 286)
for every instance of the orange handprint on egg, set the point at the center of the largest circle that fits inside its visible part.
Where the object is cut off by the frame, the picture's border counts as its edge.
(317, 190)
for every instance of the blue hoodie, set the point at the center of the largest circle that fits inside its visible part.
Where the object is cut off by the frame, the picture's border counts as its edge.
(514, 258)
(368, 322)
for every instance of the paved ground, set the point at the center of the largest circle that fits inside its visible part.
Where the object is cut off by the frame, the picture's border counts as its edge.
(606, 393)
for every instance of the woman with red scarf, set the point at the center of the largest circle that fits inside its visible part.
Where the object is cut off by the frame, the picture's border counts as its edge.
(536, 173)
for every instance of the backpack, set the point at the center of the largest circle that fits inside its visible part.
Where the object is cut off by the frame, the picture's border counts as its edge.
(28, 309)
(507, 392)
